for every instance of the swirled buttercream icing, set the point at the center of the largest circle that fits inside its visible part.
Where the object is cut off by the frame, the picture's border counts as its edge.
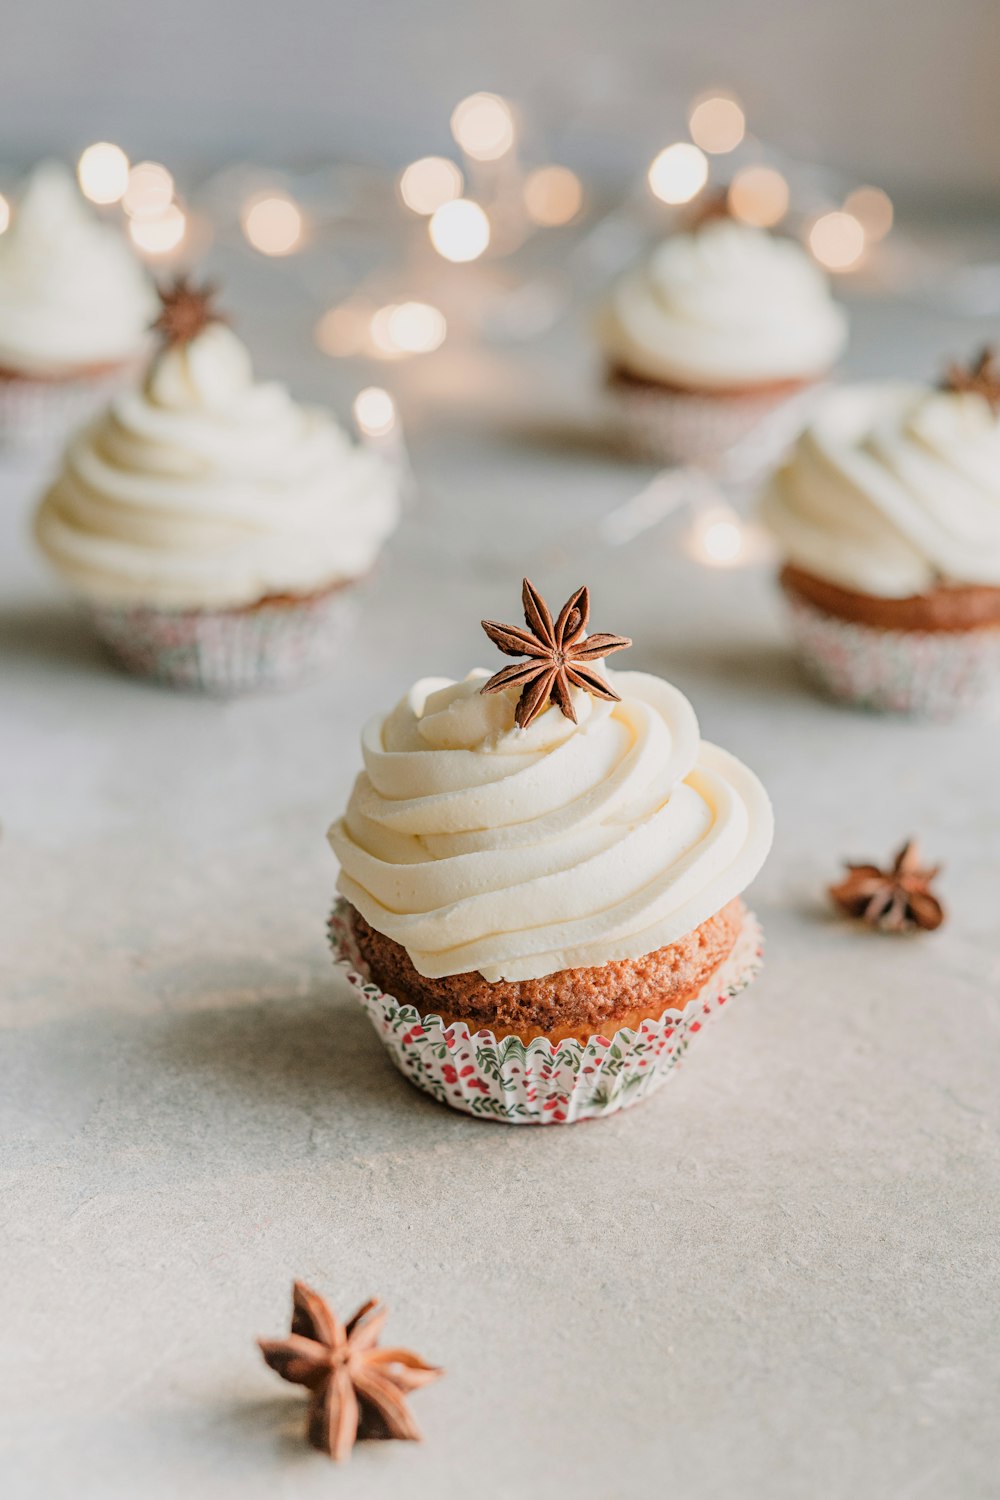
(72, 294)
(723, 308)
(893, 490)
(516, 853)
(206, 489)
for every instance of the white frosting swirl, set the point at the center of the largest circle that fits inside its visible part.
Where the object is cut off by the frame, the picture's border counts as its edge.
(203, 489)
(891, 490)
(723, 308)
(517, 853)
(72, 294)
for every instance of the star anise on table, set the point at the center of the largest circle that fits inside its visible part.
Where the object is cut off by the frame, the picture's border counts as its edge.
(898, 899)
(558, 655)
(356, 1389)
(981, 378)
(185, 310)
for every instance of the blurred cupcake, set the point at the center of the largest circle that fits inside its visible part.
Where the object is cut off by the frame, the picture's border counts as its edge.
(75, 306)
(211, 525)
(718, 339)
(888, 516)
(541, 875)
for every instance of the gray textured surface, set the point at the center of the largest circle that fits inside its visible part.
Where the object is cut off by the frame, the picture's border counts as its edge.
(777, 1278)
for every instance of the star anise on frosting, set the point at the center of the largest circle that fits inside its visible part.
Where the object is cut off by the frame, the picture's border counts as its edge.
(558, 652)
(356, 1389)
(981, 378)
(185, 310)
(897, 900)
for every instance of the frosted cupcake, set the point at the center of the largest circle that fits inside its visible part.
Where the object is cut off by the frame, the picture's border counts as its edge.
(75, 307)
(716, 340)
(888, 516)
(210, 525)
(541, 877)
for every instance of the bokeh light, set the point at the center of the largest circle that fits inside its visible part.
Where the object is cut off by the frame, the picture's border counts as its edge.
(678, 173)
(272, 222)
(717, 537)
(758, 196)
(4, 213)
(483, 126)
(717, 123)
(343, 330)
(552, 195)
(408, 328)
(374, 411)
(837, 240)
(873, 210)
(159, 235)
(429, 182)
(150, 191)
(103, 172)
(460, 230)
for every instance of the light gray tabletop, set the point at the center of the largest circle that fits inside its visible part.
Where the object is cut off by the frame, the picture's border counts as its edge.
(776, 1278)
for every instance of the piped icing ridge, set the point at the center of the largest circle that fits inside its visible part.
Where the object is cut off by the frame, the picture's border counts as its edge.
(893, 490)
(722, 308)
(206, 489)
(72, 294)
(515, 853)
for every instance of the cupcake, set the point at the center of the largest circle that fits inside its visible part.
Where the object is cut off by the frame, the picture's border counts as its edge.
(887, 514)
(718, 339)
(75, 306)
(211, 526)
(541, 876)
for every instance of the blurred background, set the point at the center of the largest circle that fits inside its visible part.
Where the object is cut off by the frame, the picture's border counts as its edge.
(900, 90)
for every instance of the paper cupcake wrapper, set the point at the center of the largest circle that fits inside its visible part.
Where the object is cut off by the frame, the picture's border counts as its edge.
(671, 428)
(541, 1083)
(41, 414)
(227, 651)
(934, 674)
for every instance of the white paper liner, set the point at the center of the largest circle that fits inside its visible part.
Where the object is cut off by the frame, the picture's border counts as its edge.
(934, 674)
(36, 415)
(224, 652)
(543, 1083)
(670, 427)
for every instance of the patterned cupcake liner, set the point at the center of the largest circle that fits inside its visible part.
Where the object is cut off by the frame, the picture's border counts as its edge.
(541, 1083)
(671, 427)
(41, 414)
(936, 674)
(225, 652)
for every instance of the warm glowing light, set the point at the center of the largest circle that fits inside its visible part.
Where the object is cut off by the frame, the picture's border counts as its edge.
(460, 230)
(873, 210)
(837, 241)
(718, 538)
(103, 171)
(273, 224)
(758, 196)
(429, 182)
(408, 328)
(717, 123)
(4, 213)
(552, 195)
(483, 126)
(150, 191)
(678, 173)
(374, 411)
(343, 330)
(160, 235)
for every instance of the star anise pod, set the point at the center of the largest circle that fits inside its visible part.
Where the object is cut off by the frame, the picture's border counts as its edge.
(981, 378)
(355, 1388)
(185, 310)
(558, 655)
(897, 900)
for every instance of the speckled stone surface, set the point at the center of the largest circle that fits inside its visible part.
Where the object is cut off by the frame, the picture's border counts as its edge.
(776, 1278)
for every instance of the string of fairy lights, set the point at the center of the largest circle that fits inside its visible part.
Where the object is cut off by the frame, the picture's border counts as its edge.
(485, 202)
